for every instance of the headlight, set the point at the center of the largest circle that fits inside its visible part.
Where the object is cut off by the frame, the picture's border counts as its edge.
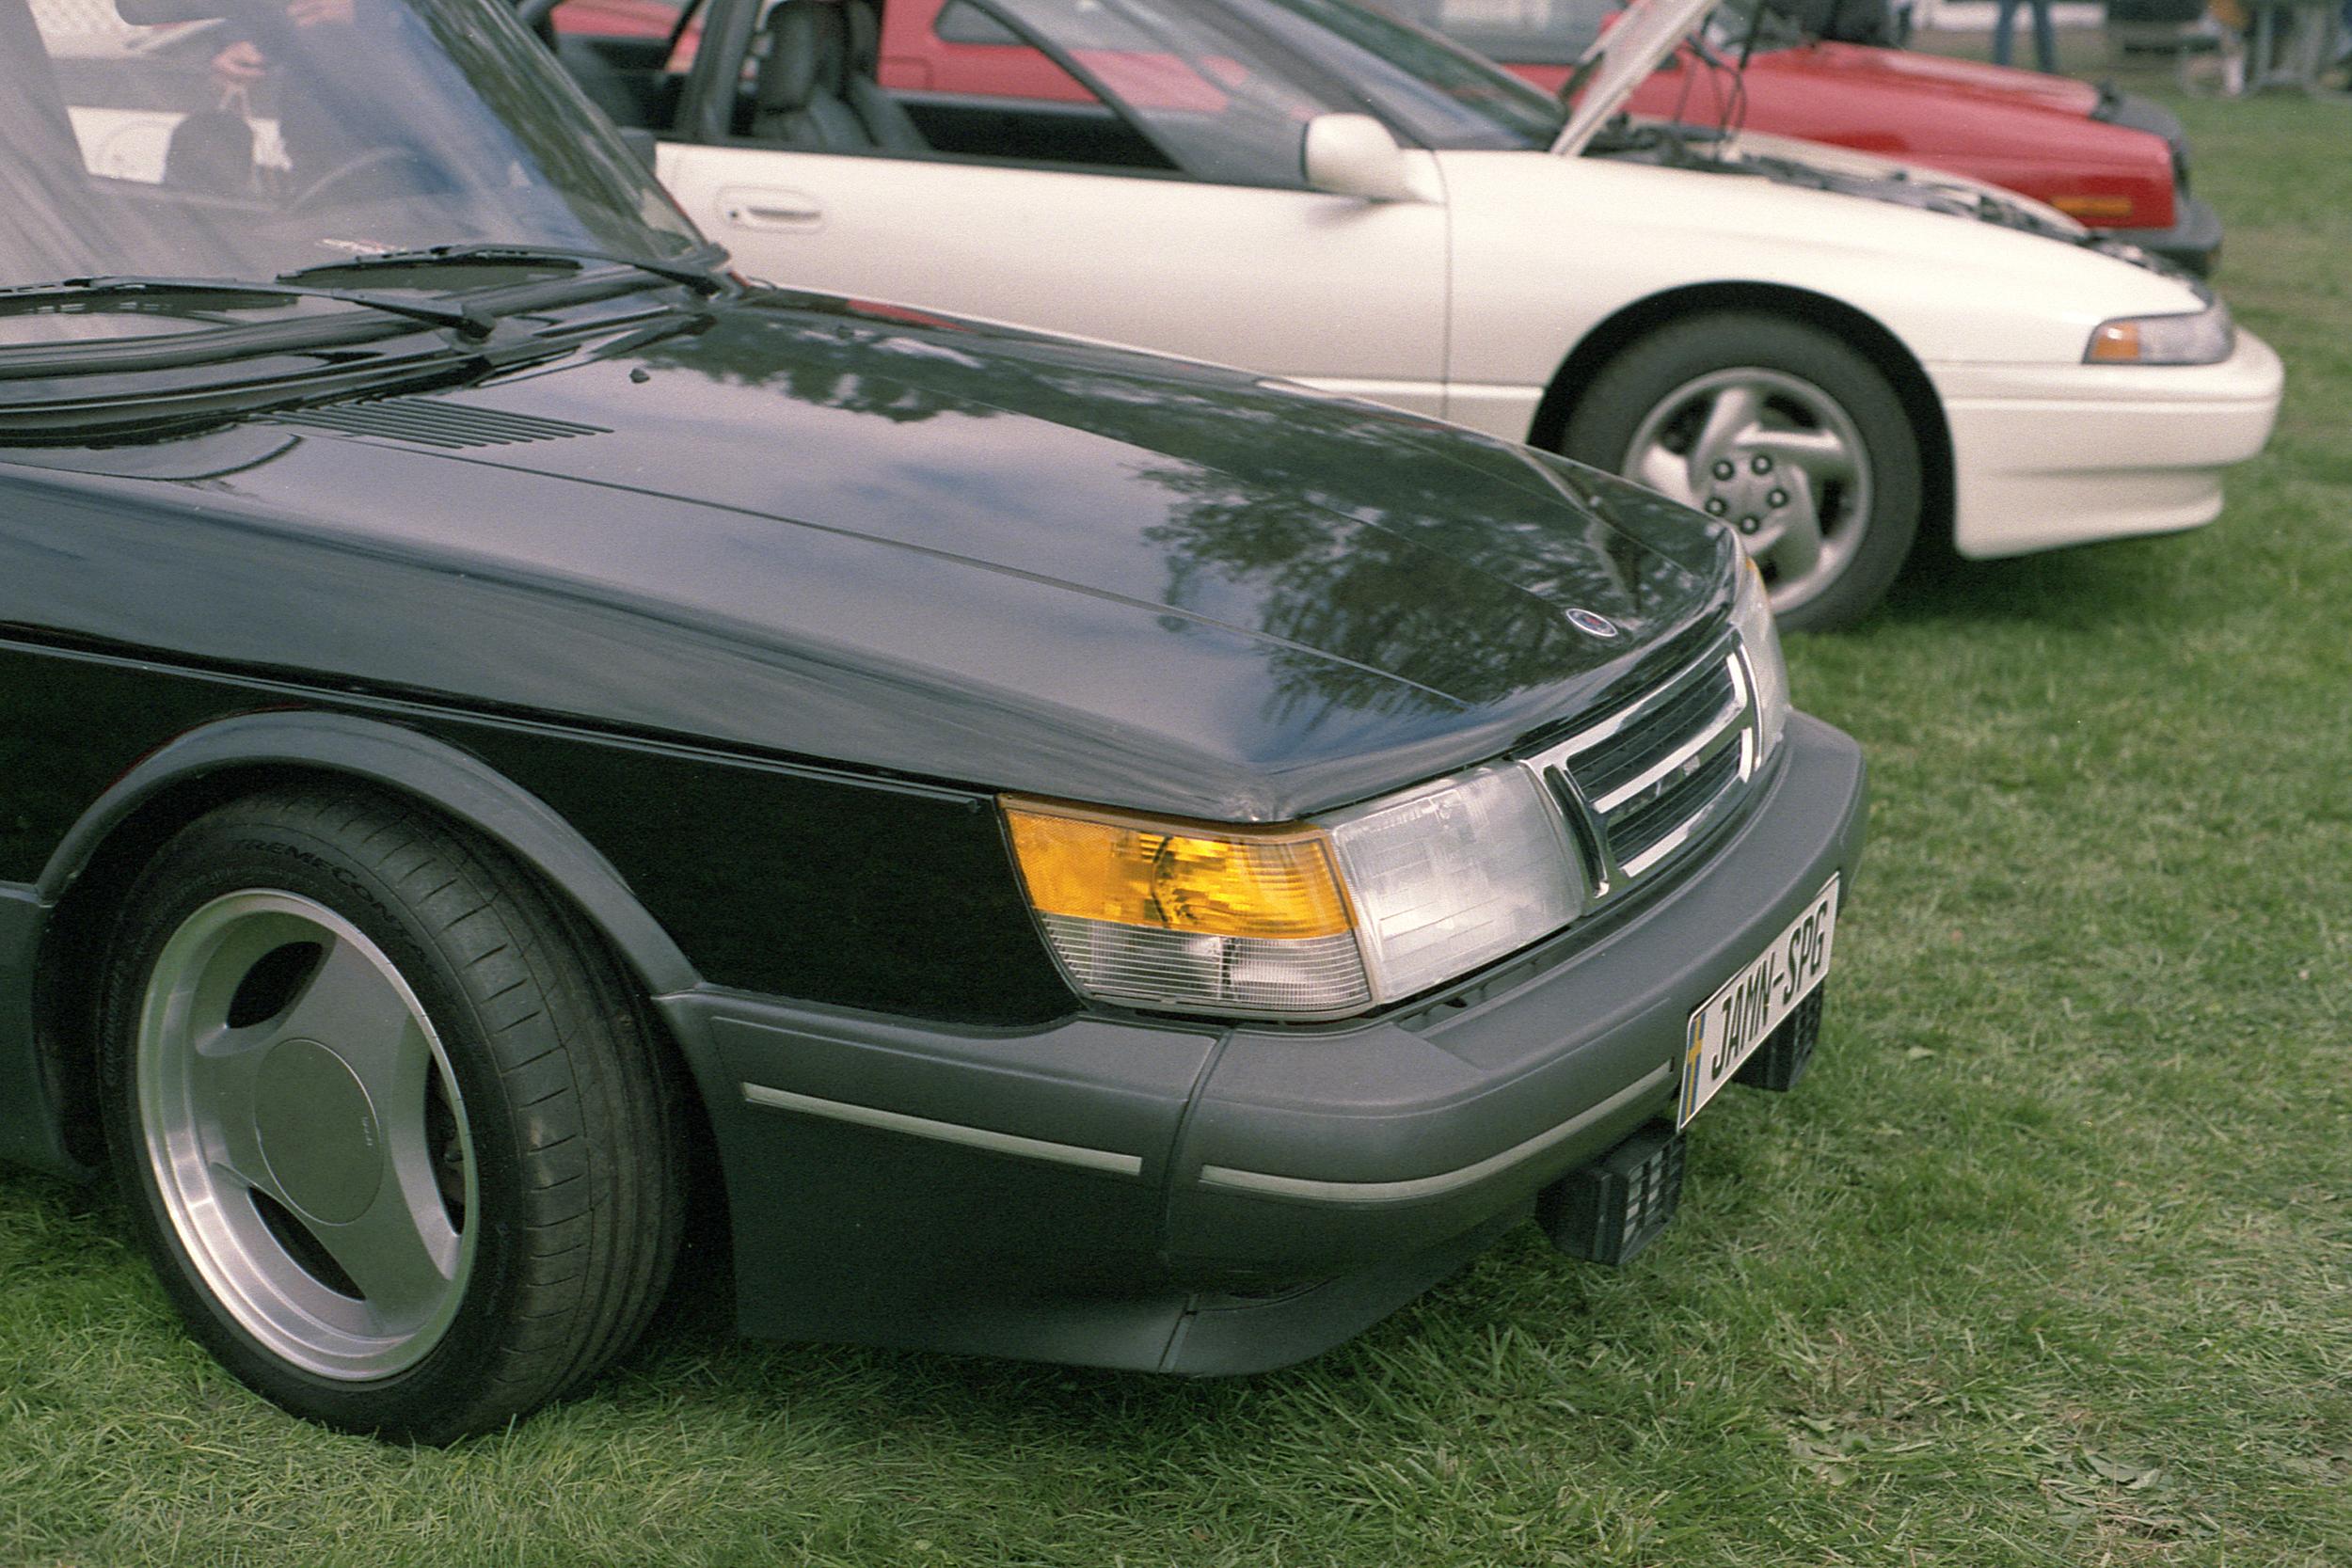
(1759, 639)
(2206, 338)
(1200, 918)
(1455, 873)
(1367, 905)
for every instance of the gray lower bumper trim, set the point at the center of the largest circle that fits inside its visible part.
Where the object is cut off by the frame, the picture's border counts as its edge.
(1445, 1182)
(947, 1131)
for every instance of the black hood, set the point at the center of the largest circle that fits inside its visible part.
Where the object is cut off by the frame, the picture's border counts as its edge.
(809, 527)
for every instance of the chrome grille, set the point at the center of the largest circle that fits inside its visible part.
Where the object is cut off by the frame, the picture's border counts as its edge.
(1654, 776)
(1642, 825)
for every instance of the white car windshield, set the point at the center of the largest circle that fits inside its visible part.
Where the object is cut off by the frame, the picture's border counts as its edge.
(247, 139)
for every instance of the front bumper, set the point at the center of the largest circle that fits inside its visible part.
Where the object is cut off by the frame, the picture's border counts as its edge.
(1184, 1196)
(2045, 455)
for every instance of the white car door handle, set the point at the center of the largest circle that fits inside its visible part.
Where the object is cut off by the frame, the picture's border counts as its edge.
(761, 207)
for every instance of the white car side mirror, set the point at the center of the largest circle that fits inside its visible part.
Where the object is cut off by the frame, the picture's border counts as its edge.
(1354, 155)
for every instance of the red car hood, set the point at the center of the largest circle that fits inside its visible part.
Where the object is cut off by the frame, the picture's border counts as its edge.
(1935, 74)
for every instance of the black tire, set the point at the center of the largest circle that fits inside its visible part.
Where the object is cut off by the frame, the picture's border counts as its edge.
(1657, 371)
(553, 1158)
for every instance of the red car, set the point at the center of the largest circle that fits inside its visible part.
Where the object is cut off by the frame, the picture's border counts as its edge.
(2114, 162)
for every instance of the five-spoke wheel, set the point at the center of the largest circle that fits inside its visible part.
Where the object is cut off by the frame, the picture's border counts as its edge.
(1786, 432)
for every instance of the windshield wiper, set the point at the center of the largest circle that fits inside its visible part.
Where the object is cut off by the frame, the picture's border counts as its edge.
(467, 323)
(701, 280)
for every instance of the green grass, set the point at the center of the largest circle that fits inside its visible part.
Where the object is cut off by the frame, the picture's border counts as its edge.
(2046, 1263)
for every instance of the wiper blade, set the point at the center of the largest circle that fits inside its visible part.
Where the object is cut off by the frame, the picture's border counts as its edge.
(466, 323)
(701, 280)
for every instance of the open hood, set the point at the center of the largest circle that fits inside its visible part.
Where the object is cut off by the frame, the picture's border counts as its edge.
(1621, 59)
(2021, 212)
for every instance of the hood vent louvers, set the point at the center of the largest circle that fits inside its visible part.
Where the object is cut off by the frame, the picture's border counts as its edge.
(428, 421)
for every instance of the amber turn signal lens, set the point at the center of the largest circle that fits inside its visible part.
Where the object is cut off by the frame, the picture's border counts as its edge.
(1101, 865)
(2101, 209)
(2117, 342)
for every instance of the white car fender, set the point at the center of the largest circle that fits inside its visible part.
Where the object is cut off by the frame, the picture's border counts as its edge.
(1950, 290)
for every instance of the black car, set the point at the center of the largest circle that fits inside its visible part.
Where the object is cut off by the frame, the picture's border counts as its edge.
(1100, 857)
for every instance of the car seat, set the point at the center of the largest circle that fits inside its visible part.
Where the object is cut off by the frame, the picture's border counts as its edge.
(807, 93)
(891, 126)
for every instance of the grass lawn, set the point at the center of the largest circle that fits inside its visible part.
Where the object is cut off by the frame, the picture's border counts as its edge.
(2046, 1263)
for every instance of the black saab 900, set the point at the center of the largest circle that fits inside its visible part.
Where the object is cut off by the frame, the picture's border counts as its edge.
(1099, 857)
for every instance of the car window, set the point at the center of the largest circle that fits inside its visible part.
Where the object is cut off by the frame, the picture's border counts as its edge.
(961, 22)
(1219, 89)
(1521, 32)
(954, 81)
(630, 56)
(978, 55)
(1429, 89)
(1229, 85)
(642, 29)
(1212, 94)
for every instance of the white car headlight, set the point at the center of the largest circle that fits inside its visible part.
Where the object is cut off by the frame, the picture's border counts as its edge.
(1759, 639)
(2206, 336)
(1320, 920)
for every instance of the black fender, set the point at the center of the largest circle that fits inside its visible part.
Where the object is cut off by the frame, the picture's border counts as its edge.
(456, 782)
(200, 765)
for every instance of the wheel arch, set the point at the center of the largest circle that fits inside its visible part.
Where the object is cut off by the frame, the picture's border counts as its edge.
(1859, 330)
(206, 766)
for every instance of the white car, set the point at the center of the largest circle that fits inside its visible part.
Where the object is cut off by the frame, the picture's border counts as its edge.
(1834, 353)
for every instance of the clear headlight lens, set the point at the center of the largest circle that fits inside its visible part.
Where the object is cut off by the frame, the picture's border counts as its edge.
(2205, 337)
(1759, 639)
(1453, 875)
(1369, 905)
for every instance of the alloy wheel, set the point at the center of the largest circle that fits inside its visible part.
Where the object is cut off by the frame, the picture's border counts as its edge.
(307, 1136)
(1773, 455)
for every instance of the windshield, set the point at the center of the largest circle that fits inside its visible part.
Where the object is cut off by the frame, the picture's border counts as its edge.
(252, 138)
(1560, 32)
(1431, 88)
(1520, 32)
(1229, 87)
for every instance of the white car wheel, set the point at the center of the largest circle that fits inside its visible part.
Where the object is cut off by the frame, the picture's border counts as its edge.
(1782, 432)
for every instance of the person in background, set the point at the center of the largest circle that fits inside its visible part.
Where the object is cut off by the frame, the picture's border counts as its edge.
(302, 41)
(1878, 22)
(2044, 40)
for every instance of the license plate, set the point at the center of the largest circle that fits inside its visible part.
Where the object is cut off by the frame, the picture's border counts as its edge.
(1752, 1003)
